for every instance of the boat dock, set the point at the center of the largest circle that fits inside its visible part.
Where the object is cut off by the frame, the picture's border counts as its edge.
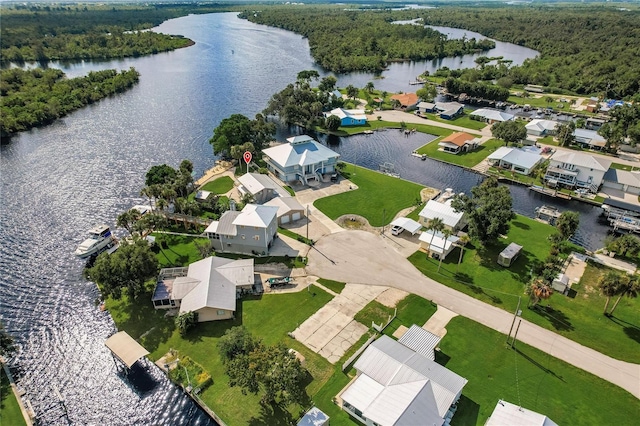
(550, 192)
(547, 214)
(622, 216)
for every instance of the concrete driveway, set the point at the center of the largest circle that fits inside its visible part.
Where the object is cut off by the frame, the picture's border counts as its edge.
(331, 331)
(364, 258)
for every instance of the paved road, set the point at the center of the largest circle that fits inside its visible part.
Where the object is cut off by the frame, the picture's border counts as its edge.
(364, 258)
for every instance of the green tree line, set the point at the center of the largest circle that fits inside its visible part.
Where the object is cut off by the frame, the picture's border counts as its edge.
(348, 40)
(35, 97)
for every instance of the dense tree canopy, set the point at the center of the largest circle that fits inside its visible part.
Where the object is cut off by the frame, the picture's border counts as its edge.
(6, 342)
(126, 270)
(476, 90)
(488, 209)
(300, 104)
(509, 131)
(38, 96)
(567, 224)
(346, 40)
(237, 129)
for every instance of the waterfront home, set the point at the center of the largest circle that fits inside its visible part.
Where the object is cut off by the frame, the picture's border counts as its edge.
(594, 123)
(302, 159)
(349, 117)
(452, 219)
(289, 209)
(406, 100)
(207, 287)
(515, 159)
(437, 244)
(395, 385)
(250, 231)
(572, 169)
(446, 110)
(628, 182)
(458, 142)
(425, 107)
(510, 414)
(589, 139)
(491, 116)
(260, 187)
(540, 127)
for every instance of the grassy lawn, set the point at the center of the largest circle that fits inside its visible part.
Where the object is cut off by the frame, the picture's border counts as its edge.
(462, 121)
(548, 140)
(378, 198)
(413, 309)
(269, 317)
(380, 124)
(528, 377)
(577, 317)
(10, 413)
(180, 250)
(501, 173)
(467, 159)
(623, 167)
(374, 312)
(336, 286)
(222, 185)
(293, 235)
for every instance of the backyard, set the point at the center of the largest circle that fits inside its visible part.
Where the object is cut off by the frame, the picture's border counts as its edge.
(528, 377)
(462, 121)
(221, 185)
(380, 124)
(577, 316)
(10, 413)
(465, 159)
(390, 194)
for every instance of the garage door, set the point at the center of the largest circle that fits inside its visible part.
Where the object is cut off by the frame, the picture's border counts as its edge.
(612, 185)
(296, 216)
(284, 219)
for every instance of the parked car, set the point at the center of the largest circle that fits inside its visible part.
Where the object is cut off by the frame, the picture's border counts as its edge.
(396, 230)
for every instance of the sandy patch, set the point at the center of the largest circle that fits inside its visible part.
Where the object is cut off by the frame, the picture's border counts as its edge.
(391, 297)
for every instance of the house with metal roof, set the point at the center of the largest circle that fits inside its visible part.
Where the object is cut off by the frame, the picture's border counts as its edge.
(571, 169)
(437, 244)
(250, 231)
(395, 385)
(515, 159)
(208, 287)
(289, 209)
(452, 219)
(539, 127)
(491, 116)
(421, 341)
(589, 139)
(302, 159)
(349, 117)
(510, 414)
(260, 187)
(458, 142)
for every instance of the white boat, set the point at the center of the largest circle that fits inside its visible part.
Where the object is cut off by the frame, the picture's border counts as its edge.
(100, 238)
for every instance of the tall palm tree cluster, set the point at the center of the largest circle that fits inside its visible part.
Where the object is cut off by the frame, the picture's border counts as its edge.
(615, 283)
(166, 186)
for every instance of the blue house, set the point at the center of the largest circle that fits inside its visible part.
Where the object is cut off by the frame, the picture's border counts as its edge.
(349, 117)
(302, 159)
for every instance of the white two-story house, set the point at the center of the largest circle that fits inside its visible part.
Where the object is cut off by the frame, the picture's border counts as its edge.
(572, 170)
(250, 231)
(302, 159)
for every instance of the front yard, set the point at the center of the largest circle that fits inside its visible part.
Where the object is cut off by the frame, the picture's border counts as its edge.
(378, 198)
(466, 159)
(577, 317)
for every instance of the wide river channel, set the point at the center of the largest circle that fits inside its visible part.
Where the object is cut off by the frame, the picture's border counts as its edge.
(60, 180)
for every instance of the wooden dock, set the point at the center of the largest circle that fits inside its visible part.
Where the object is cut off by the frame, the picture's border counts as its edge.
(550, 192)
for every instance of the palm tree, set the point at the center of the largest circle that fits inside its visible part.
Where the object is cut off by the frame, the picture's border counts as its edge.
(462, 241)
(369, 87)
(540, 290)
(435, 225)
(609, 284)
(447, 233)
(631, 290)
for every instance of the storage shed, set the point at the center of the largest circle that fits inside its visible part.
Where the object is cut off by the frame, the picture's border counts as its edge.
(561, 283)
(509, 254)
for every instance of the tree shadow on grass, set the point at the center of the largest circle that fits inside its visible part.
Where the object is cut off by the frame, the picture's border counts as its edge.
(537, 364)
(272, 415)
(467, 412)
(557, 318)
(467, 280)
(631, 330)
(520, 225)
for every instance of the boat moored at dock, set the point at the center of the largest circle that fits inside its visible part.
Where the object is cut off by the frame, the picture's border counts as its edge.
(100, 239)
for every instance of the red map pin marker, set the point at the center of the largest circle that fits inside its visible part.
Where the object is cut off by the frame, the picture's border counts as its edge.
(247, 157)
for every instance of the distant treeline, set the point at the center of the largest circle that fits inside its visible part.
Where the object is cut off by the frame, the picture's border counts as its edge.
(584, 49)
(34, 32)
(349, 40)
(31, 98)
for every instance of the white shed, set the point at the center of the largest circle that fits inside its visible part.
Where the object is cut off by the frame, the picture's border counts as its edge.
(509, 254)
(561, 283)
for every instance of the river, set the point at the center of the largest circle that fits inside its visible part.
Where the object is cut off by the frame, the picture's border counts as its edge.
(88, 167)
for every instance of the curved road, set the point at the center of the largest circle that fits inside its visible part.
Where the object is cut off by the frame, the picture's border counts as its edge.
(361, 257)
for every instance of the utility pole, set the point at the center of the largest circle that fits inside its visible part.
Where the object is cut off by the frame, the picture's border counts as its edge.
(515, 314)
(384, 216)
(513, 343)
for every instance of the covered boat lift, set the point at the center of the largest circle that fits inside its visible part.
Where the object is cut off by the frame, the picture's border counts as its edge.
(125, 348)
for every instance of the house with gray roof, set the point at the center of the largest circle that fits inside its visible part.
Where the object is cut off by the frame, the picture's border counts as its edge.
(396, 385)
(491, 116)
(260, 187)
(589, 139)
(302, 159)
(289, 209)
(506, 413)
(622, 180)
(571, 169)
(250, 231)
(539, 127)
(207, 287)
(452, 219)
(518, 160)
